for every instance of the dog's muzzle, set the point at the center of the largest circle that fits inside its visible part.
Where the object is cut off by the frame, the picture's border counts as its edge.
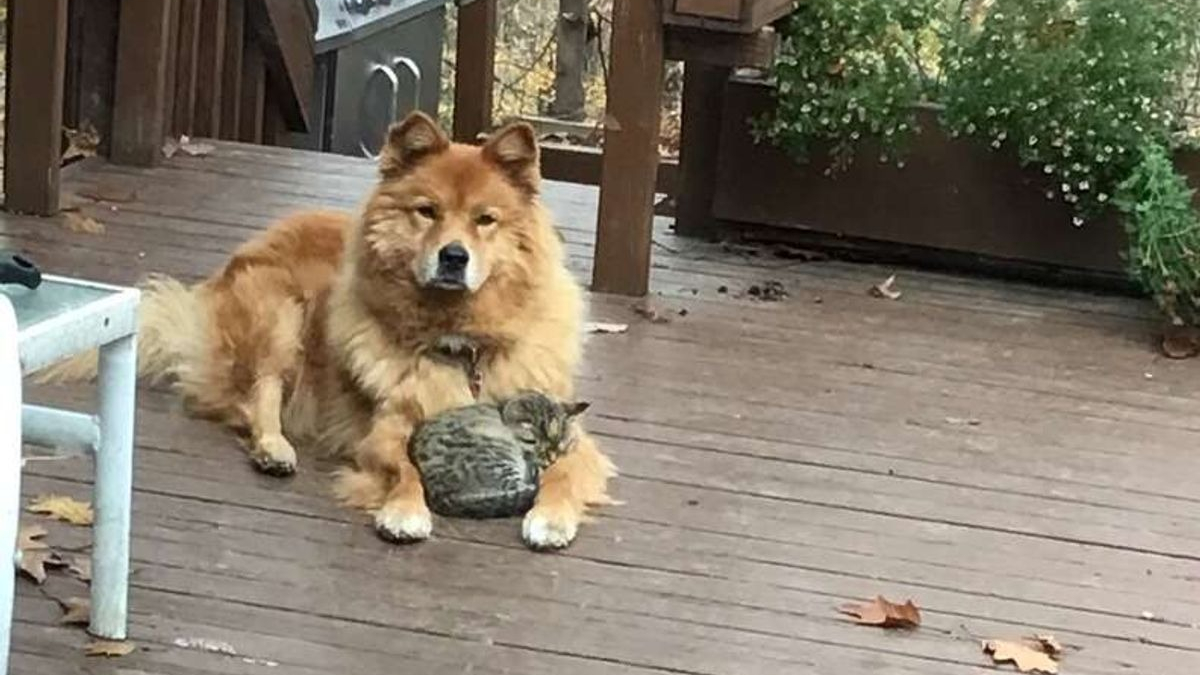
(452, 261)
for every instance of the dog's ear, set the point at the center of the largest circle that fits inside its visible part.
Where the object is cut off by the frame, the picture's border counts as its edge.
(410, 141)
(514, 150)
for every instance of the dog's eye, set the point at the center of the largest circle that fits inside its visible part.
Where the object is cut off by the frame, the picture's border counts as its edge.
(427, 211)
(485, 219)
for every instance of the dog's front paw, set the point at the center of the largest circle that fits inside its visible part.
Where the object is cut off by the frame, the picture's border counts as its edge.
(274, 456)
(406, 525)
(547, 528)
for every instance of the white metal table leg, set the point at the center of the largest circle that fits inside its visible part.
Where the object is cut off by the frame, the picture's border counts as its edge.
(10, 469)
(114, 487)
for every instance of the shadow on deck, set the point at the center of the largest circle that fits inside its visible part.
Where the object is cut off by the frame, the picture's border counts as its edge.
(1016, 459)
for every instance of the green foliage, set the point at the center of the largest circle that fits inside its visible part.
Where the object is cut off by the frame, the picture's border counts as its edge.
(1079, 89)
(848, 69)
(1164, 233)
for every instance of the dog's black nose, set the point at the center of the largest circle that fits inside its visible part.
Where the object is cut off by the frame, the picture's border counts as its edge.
(453, 256)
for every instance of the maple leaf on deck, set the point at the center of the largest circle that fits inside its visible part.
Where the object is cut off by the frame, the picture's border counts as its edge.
(34, 563)
(63, 508)
(110, 648)
(1027, 657)
(885, 614)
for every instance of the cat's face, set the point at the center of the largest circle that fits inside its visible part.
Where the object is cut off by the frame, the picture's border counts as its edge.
(539, 418)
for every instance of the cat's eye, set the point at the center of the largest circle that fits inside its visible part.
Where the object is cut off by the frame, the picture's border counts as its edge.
(485, 219)
(428, 211)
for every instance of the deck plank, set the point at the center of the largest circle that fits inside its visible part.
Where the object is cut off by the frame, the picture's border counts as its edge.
(778, 459)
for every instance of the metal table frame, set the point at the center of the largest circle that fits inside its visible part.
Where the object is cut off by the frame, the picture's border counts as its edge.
(109, 323)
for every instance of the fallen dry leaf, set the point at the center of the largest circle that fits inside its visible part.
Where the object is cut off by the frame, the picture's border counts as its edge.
(1027, 658)
(649, 312)
(76, 611)
(81, 568)
(963, 421)
(77, 222)
(35, 562)
(1180, 342)
(82, 142)
(189, 147)
(886, 289)
(606, 328)
(109, 648)
(881, 612)
(63, 508)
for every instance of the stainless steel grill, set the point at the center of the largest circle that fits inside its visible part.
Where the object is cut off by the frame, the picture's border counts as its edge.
(377, 61)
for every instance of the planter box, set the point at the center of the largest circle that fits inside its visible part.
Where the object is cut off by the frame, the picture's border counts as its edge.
(952, 196)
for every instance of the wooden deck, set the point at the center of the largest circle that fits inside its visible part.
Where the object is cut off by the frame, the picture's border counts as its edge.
(1016, 459)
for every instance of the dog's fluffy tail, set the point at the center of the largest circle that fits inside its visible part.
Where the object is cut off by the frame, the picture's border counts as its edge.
(172, 323)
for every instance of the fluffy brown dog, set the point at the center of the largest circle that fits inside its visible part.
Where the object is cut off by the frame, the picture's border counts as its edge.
(320, 331)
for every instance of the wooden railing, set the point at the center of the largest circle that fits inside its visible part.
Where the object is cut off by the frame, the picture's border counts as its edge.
(140, 71)
(711, 37)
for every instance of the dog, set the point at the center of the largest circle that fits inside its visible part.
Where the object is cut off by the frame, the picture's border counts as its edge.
(320, 332)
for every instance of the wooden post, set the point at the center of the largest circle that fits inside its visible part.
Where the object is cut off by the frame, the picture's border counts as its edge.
(703, 100)
(186, 71)
(630, 164)
(210, 60)
(231, 79)
(475, 70)
(254, 91)
(139, 110)
(37, 57)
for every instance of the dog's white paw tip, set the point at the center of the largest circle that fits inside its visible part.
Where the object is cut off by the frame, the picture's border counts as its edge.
(542, 534)
(403, 528)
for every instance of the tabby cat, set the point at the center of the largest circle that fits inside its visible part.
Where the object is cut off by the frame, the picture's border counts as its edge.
(483, 460)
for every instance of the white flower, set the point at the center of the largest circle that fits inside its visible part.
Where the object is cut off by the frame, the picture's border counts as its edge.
(1077, 221)
(1102, 197)
(1049, 168)
(1033, 140)
(1084, 185)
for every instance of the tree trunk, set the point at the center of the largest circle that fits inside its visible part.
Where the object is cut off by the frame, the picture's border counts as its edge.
(569, 60)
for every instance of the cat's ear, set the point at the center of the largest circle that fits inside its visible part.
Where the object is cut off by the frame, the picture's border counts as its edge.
(577, 408)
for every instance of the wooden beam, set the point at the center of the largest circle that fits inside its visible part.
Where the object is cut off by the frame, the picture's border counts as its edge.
(631, 135)
(231, 77)
(253, 95)
(474, 72)
(186, 62)
(37, 53)
(285, 34)
(210, 75)
(703, 101)
(580, 164)
(717, 9)
(172, 57)
(139, 122)
(755, 50)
